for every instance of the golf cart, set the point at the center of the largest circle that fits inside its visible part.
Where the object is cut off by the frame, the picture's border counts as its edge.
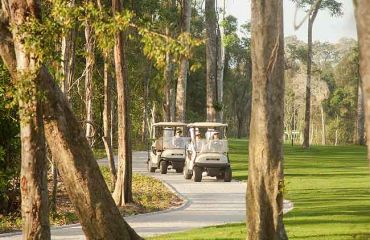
(168, 147)
(208, 154)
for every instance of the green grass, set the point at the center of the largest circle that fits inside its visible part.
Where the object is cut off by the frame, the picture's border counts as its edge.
(330, 188)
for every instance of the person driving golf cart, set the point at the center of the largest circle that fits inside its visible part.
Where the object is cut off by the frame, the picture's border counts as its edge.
(178, 141)
(168, 147)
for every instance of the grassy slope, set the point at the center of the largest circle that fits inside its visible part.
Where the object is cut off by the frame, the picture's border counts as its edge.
(330, 188)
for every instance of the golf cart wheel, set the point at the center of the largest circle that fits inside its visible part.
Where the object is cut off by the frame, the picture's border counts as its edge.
(220, 176)
(150, 167)
(197, 174)
(228, 175)
(187, 174)
(179, 170)
(163, 167)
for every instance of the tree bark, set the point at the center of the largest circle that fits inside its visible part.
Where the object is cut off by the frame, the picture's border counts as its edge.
(95, 207)
(211, 52)
(107, 120)
(89, 69)
(360, 115)
(323, 127)
(167, 75)
(68, 57)
(362, 13)
(123, 190)
(184, 65)
(99, 217)
(265, 174)
(107, 111)
(53, 200)
(307, 115)
(172, 105)
(33, 179)
(220, 65)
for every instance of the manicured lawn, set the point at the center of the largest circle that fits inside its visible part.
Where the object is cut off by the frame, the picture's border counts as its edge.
(330, 188)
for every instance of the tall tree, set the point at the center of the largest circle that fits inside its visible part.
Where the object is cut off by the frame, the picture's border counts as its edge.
(362, 13)
(33, 177)
(89, 70)
(184, 64)
(85, 185)
(360, 115)
(220, 63)
(107, 110)
(211, 57)
(68, 57)
(168, 74)
(335, 8)
(123, 190)
(265, 173)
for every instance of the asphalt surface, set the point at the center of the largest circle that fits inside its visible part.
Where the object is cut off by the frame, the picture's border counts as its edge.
(207, 203)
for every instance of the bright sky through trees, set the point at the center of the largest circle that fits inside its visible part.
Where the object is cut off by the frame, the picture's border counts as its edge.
(327, 28)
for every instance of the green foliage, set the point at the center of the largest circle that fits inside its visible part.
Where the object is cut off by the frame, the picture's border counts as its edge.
(9, 147)
(341, 107)
(237, 78)
(334, 7)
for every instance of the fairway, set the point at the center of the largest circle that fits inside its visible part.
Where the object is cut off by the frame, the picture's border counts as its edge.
(330, 188)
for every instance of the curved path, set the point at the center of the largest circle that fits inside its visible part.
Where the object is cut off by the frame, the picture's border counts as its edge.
(209, 202)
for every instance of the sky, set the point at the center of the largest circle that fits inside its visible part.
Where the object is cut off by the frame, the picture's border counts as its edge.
(326, 28)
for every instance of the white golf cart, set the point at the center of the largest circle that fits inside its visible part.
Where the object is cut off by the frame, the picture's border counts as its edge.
(168, 147)
(207, 154)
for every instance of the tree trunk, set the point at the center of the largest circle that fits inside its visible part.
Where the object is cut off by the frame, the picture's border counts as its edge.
(307, 115)
(146, 100)
(172, 105)
(33, 179)
(167, 75)
(99, 217)
(89, 69)
(184, 65)
(123, 190)
(362, 13)
(240, 127)
(94, 205)
(211, 52)
(265, 174)
(311, 134)
(53, 200)
(220, 65)
(360, 115)
(107, 111)
(323, 132)
(107, 120)
(68, 70)
(68, 58)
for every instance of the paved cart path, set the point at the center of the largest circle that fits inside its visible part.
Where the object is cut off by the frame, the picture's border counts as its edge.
(209, 202)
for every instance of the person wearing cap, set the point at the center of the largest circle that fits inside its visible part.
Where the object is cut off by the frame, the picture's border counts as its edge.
(215, 145)
(197, 134)
(178, 132)
(216, 135)
(177, 140)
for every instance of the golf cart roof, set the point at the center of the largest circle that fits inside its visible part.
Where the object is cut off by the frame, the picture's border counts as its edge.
(207, 124)
(169, 124)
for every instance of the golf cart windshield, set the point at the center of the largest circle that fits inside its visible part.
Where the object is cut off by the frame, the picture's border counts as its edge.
(211, 146)
(175, 142)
